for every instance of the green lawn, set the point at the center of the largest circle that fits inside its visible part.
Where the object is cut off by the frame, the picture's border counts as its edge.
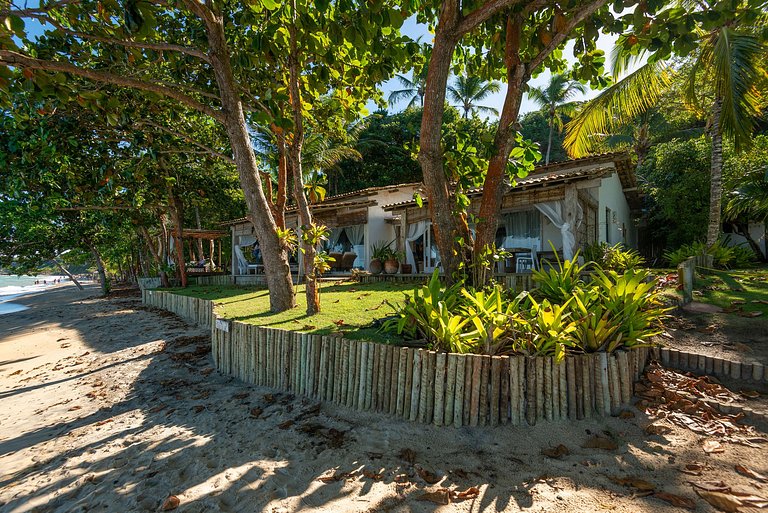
(723, 288)
(347, 307)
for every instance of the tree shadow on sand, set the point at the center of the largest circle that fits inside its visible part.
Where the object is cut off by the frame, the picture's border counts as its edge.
(162, 423)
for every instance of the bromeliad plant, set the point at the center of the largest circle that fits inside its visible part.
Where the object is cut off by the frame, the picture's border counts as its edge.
(565, 314)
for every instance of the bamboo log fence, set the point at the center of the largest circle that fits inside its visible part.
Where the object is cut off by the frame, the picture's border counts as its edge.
(423, 386)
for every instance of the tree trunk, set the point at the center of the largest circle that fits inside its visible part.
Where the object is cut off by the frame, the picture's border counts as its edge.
(276, 267)
(100, 268)
(495, 185)
(282, 180)
(743, 230)
(444, 223)
(716, 175)
(156, 255)
(69, 274)
(549, 140)
(177, 214)
(294, 155)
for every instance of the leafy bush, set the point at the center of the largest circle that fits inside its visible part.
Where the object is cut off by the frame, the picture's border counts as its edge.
(608, 312)
(557, 284)
(724, 256)
(614, 258)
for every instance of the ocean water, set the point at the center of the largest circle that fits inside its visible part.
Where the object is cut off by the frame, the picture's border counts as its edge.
(12, 287)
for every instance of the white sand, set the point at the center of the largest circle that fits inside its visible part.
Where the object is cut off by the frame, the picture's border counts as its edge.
(97, 415)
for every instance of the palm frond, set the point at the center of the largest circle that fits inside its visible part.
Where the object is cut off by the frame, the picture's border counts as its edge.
(620, 103)
(485, 109)
(737, 70)
(400, 95)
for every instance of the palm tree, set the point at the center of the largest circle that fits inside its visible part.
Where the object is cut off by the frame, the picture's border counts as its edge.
(553, 98)
(413, 89)
(726, 65)
(468, 91)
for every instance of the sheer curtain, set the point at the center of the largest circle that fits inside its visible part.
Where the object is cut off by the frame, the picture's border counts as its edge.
(415, 230)
(554, 212)
(356, 235)
(333, 238)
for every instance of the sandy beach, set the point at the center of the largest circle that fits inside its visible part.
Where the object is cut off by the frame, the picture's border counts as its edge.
(106, 405)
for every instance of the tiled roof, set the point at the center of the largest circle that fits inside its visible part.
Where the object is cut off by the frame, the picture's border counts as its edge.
(577, 169)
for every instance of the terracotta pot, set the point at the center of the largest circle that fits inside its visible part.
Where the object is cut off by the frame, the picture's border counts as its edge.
(391, 266)
(375, 266)
(406, 268)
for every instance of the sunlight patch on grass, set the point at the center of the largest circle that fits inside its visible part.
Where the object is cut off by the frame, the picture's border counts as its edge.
(722, 288)
(349, 308)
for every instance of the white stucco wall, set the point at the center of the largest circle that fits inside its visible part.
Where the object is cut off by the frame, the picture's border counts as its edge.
(378, 229)
(612, 196)
(756, 231)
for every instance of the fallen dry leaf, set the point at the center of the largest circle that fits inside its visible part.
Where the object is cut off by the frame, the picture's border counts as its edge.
(308, 327)
(427, 476)
(556, 452)
(722, 501)
(199, 408)
(372, 475)
(256, 412)
(693, 469)
(657, 429)
(746, 471)
(241, 395)
(676, 500)
(751, 314)
(285, 425)
(601, 442)
(712, 446)
(750, 394)
(633, 482)
(626, 414)
(170, 503)
(711, 486)
(472, 492)
(440, 496)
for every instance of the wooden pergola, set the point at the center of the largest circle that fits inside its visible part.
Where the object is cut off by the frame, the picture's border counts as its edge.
(212, 236)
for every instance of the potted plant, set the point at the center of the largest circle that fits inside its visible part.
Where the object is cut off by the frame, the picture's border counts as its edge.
(392, 262)
(379, 253)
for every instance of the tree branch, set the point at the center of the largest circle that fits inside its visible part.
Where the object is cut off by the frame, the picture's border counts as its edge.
(160, 47)
(187, 138)
(23, 61)
(560, 36)
(483, 14)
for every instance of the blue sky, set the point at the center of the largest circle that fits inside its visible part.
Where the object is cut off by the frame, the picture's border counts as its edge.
(413, 29)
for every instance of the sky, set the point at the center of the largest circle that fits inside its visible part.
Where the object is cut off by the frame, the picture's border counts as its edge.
(414, 30)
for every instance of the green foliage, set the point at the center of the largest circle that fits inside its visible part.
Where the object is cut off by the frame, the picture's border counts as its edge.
(381, 250)
(724, 255)
(614, 258)
(557, 284)
(608, 312)
(288, 239)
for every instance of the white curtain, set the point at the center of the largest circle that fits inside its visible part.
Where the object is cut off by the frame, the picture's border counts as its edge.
(415, 230)
(554, 212)
(333, 238)
(356, 235)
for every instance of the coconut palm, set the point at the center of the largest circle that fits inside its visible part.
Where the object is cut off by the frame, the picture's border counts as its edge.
(468, 91)
(727, 67)
(553, 99)
(413, 89)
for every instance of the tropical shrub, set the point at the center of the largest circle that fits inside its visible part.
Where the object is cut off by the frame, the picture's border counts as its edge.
(614, 258)
(724, 256)
(557, 284)
(610, 311)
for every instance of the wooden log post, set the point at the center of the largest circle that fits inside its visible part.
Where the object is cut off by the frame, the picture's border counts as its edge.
(625, 379)
(407, 393)
(504, 397)
(515, 390)
(477, 376)
(548, 388)
(458, 394)
(415, 385)
(485, 379)
(402, 365)
(440, 372)
(495, 394)
(468, 375)
(613, 376)
(530, 391)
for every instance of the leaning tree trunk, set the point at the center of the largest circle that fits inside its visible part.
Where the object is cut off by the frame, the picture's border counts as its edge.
(100, 269)
(276, 267)
(200, 252)
(69, 274)
(716, 175)
(549, 140)
(305, 216)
